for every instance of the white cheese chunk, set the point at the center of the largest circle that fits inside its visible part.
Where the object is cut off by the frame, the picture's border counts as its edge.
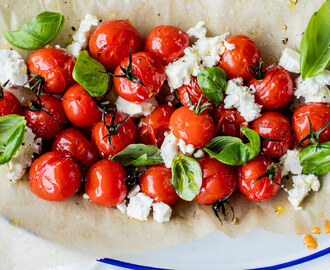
(290, 60)
(229, 46)
(122, 207)
(85, 196)
(186, 149)
(13, 68)
(81, 37)
(242, 98)
(139, 206)
(291, 163)
(199, 153)
(136, 110)
(199, 31)
(135, 190)
(169, 149)
(162, 212)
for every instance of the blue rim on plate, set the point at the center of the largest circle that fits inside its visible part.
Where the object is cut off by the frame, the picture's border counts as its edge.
(277, 266)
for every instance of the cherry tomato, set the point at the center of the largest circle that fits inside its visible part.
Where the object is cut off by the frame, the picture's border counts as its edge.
(273, 125)
(148, 69)
(219, 181)
(156, 183)
(76, 145)
(126, 134)
(42, 124)
(166, 42)
(151, 128)
(80, 109)
(318, 113)
(112, 41)
(193, 90)
(55, 66)
(54, 176)
(105, 183)
(193, 129)
(274, 90)
(235, 62)
(263, 189)
(9, 104)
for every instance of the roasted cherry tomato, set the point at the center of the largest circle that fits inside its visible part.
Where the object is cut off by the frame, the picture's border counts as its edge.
(193, 90)
(219, 181)
(42, 124)
(123, 135)
(263, 189)
(166, 42)
(55, 66)
(80, 109)
(151, 128)
(77, 146)
(105, 183)
(112, 41)
(273, 126)
(236, 61)
(274, 89)
(318, 113)
(54, 176)
(195, 129)
(156, 183)
(9, 104)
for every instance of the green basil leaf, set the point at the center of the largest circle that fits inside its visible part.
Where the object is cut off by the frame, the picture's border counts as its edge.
(232, 150)
(11, 136)
(213, 82)
(38, 32)
(186, 177)
(315, 159)
(139, 155)
(91, 75)
(315, 43)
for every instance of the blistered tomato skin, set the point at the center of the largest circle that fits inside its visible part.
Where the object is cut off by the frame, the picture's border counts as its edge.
(219, 181)
(111, 42)
(42, 124)
(274, 125)
(148, 69)
(166, 42)
(54, 177)
(156, 183)
(76, 145)
(105, 183)
(275, 90)
(235, 62)
(318, 113)
(80, 109)
(152, 127)
(55, 66)
(263, 189)
(193, 90)
(9, 104)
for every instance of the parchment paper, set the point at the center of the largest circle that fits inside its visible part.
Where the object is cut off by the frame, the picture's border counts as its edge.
(105, 232)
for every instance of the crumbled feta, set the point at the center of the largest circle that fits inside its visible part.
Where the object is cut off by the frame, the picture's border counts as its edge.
(169, 149)
(81, 37)
(199, 31)
(136, 110)
(290, 60)
(162, 212)
(199, 153)
(242, 98)
(302, 185)
(13, 68)
(186, 149)
(229, 46)
(122, 207)
(135, 190)
(139, 206)
(85, 196)
(291, 163)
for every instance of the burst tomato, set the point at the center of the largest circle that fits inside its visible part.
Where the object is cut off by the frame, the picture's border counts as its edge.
(193, 90)
(9, 104)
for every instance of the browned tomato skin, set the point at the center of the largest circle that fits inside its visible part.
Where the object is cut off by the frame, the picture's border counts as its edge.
(274, 125)
(166, 42)
(112, 41)
(9, 104)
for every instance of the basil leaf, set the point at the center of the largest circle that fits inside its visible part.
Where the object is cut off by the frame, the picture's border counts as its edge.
(315, 43)
(232, 150)
(38, 32)
(11, 136)
(139, 155)
(315, 159)
(212, 82)
(186, 177)
(91, 75)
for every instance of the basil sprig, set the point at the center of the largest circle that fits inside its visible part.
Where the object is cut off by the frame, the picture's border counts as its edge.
(315, 159)
(212, 82)
(11, 136)
(315, 43)
(186, 177)
(38, 32)
(139, 155)
(232, 150)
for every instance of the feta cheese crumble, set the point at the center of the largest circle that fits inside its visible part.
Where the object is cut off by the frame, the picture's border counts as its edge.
(186, 149)
(162, 212)
(139, 206)
(122, 207)
(199, 31)
(242, 98)
(290, 60)
(136, 110)
(291, 163)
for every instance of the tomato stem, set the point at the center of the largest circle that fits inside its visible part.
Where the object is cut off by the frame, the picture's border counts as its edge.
(3, 87)
(220, 205)
(313, 136)
(257, 72)
(270, 173)
(199, 107)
